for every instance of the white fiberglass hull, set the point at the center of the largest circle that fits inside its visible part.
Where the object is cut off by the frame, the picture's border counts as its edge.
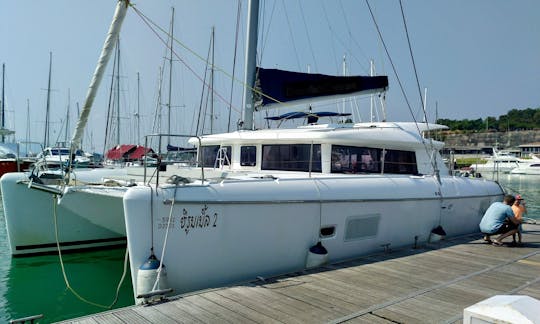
(237, 230)
(533, 170)
(30, 216)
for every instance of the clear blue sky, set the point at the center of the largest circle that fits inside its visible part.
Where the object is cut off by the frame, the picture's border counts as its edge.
(477, 58)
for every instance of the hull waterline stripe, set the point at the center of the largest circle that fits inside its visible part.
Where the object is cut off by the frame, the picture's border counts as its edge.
(72, 243)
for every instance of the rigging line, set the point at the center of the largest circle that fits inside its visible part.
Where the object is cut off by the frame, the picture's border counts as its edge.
(422, 104)
(202, 94)
(64, 273)
(434, 160)
(265, 34)
(392, 63)
(109, 107)
(307, 35)
(330, 28)
(149, 22)
(350, 32)
(397, 78)
(343, 43)
(238, 12)
(292, 37)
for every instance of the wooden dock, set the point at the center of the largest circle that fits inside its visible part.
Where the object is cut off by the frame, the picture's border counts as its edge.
(430, 284)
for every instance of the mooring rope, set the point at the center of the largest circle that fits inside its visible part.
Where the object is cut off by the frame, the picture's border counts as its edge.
(66, 280)
(158, 277)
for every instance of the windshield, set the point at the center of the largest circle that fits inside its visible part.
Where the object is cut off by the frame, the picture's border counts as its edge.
(59, 151)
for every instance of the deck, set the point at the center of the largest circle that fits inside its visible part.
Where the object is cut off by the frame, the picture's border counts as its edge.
(429, 284)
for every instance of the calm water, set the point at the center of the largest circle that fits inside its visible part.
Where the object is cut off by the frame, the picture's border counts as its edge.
(35, 285)
(528, 186)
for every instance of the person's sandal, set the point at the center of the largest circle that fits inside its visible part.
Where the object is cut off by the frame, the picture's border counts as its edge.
(497, 243)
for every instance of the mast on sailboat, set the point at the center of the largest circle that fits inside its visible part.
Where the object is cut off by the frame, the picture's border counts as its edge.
(251, 65)
(118, 93)
(170, 79)
(114, 30)
(3, 98)
(47, 109)
(138, 115)
(67, 117)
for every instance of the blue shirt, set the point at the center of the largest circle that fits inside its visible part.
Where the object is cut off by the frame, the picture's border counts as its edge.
(494, 217)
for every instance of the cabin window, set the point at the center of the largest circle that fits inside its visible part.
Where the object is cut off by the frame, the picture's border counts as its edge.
(210, 155)
(352, 159)
(248, 155)
(291, 157)
(401, 162)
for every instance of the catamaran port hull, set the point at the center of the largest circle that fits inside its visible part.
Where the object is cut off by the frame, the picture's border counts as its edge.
(36, 221)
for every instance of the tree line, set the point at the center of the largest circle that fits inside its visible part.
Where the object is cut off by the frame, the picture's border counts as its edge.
(515, 119)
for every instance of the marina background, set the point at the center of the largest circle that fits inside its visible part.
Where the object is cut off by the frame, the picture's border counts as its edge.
(35, 285)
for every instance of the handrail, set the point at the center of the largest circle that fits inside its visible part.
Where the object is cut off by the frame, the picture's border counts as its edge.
(159, 154)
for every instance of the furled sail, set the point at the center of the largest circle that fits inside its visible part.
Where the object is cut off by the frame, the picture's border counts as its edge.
(278, 86)
(110, 41)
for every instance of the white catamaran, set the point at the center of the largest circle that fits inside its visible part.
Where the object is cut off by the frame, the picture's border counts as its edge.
(286, 199)
(269, 201)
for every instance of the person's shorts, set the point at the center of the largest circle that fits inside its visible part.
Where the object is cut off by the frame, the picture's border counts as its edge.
(506, 227)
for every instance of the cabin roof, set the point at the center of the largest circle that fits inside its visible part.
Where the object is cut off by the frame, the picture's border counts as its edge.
(377, 134)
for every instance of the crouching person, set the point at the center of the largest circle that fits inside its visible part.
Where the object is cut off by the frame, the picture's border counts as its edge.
(499, 219)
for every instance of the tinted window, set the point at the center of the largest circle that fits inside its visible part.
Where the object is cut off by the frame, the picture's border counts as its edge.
(210, 155)
(291, 157)
(352, 159)
(402, 162)
(248, 155)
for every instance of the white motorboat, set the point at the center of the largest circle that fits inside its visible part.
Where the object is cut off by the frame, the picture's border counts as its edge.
(59, 157)
(287, 199)
(500, 162)
(532, 167)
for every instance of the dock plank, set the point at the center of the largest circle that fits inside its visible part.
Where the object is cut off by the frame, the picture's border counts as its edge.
(239, 308)
(222, 312)
(432, 283)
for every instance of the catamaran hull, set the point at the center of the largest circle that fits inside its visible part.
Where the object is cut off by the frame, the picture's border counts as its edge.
(33, 217)
(238, 230)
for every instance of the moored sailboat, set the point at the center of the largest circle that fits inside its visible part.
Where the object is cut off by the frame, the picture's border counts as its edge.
(349, 187)
(44, 225)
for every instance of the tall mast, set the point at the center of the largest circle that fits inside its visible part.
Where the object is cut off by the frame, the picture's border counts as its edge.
(27, 124)
(46, 137)
(371, 97)
(114, 30)
(67, 118)
(138, 111)
(251, 64)
(212, 84)
(3, 98)
(78, 116)
(118, 94)
(344, 67)
(170, 78)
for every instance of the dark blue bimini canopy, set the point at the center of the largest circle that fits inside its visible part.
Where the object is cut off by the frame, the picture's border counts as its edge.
(311, 116)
